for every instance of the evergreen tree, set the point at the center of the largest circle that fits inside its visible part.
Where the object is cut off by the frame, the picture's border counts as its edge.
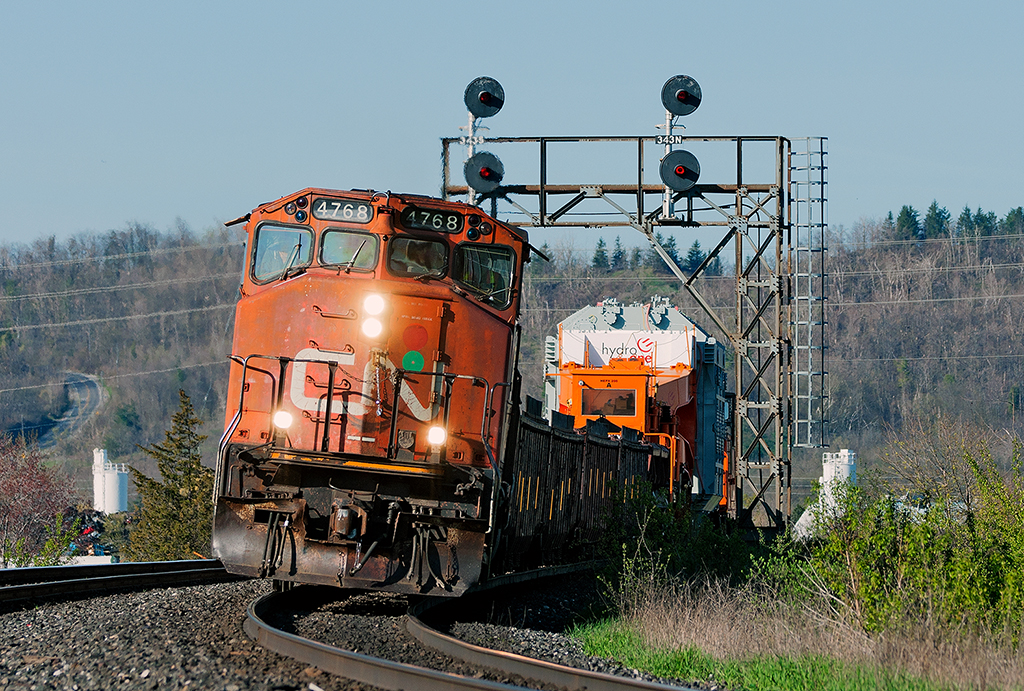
(654, 259)
(636, 259)
(671, 249)
(694, 257)
(1013, 224)
(619, 261)
(908, 225)
(936, 221)
(177, 514)
(965, 222)
(540, 267)
(600, 260)
(714, 267)
(985, 222)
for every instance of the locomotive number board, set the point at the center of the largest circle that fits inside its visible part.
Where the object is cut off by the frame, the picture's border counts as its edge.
(348, 210)
(418, 218)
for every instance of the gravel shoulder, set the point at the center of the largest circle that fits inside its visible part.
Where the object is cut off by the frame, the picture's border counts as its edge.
(184, 638)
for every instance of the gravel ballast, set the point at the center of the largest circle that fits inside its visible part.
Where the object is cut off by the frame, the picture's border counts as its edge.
(177, 638)
(192, 637)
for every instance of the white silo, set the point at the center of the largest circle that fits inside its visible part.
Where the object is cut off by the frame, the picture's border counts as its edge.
(837, 470)
(109, 484)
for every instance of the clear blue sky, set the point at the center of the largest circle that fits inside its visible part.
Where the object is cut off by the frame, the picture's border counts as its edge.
(127, 111)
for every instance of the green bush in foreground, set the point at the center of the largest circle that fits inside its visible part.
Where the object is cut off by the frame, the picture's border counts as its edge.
(917, 584)
(960, 563)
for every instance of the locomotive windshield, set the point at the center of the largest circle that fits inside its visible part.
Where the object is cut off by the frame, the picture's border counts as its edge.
(487, 270)
(411, 257)
(351, 250)
(280, 249)
(608, 402)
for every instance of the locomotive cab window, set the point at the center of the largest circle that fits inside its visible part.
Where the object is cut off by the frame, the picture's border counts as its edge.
(353, 251)
(280, 250)
(486, 270)
(608, 402)
(413, 257)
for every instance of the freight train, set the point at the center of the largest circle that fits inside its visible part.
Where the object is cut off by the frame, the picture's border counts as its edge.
(374, 437)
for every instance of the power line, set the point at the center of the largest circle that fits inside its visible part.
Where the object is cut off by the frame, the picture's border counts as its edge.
(960, 240)
(829, 274)
(108, 289)
(121, 376)
(966, 298)
(128, 255)
(82, 322)
(936, 357)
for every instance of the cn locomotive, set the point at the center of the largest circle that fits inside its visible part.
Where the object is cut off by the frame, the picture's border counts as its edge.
(374, 437)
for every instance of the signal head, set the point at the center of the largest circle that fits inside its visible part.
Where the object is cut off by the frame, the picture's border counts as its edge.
(484, 97)
(681, 95)
(680, 170)
(484, 172)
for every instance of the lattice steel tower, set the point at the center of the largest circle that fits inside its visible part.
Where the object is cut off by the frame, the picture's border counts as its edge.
(771, 212)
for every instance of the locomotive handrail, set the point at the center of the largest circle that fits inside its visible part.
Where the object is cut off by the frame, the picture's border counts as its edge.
(222, 445)
(448, 376)
(331, 364)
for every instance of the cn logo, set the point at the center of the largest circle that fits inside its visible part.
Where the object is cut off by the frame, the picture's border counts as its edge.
(355, 403)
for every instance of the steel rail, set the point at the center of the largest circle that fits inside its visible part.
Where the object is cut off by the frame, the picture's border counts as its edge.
(540, 671)
(62, 581)
(365, 669)
(396, 675)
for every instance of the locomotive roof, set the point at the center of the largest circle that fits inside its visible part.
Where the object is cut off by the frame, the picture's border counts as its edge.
(518, 231)
(610, 315)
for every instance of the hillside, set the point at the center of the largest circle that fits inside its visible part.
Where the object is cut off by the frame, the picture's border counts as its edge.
(147, 312)
(917, 326)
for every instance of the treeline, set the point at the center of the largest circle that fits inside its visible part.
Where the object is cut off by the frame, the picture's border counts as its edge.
(924, 315)
(148, 312)
(938, 223)
(635, 259)
(919, 321)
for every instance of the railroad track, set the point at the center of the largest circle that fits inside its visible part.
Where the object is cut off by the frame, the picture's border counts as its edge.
(388, 674)
(51, 582)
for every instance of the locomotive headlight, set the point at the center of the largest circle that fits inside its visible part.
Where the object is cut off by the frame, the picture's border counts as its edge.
(282, 419)
(374, 304)
(436, 436)
(372, 327)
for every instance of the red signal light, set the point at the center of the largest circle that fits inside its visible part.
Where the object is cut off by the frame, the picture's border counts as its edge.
(682, 96)
(680, 170)
(486, 173)
(485, 97)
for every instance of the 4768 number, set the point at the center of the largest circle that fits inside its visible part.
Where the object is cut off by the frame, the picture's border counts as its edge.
(342, 210)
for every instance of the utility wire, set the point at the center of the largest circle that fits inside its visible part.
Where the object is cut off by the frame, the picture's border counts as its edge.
(128, 255)
(82, 322)
(828, 274)
(109, 289)
(121, 376)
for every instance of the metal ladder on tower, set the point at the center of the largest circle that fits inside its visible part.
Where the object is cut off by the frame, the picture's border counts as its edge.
(808, 194)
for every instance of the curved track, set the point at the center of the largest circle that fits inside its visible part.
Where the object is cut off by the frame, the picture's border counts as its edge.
(86, 397)
(394, 675)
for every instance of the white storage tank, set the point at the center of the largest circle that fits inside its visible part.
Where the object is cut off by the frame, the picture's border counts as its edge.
(837, 470)
(109, 484)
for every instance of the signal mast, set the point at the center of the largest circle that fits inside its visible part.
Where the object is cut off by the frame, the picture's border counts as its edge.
(772, 216)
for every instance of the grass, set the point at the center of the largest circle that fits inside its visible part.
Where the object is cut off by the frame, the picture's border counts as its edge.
(748, 637)
(616, 639)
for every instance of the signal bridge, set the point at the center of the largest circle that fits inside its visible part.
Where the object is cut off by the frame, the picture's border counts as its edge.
(771, 210)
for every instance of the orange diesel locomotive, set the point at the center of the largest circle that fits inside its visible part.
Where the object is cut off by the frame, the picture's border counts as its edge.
(372, 367)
